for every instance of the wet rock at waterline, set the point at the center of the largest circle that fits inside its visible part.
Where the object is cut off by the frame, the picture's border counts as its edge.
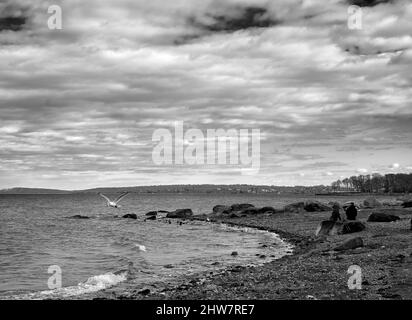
(151, 213)
(295, 207)
(180, 213)
(130, 216)
(240, 210)
(222, 209)
(267, 210)
(308, 206)
(78, 216)
(241, 206)
(315, 206)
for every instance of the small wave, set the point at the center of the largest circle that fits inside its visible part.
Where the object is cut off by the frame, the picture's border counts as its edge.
(93, 284)
(285, 247)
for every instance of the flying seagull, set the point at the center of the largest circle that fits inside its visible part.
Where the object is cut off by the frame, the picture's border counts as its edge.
(114, 204)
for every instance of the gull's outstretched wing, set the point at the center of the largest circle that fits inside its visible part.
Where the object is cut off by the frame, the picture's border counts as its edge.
(102, 195)
(124, 194)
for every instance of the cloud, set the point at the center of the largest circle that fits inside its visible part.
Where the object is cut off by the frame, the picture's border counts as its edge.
(88, 98)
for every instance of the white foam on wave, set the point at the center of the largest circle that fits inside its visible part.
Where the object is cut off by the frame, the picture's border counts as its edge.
(93, 284)
(284, 247)
(141, 247)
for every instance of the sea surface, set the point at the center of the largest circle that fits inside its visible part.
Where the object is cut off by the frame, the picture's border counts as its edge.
(37, 239)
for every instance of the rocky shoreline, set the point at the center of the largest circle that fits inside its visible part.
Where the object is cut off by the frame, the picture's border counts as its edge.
(318, 268)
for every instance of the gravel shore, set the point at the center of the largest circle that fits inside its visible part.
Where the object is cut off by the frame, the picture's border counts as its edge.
(314, 271)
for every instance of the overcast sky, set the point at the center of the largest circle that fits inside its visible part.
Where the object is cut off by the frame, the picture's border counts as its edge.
(78, 106)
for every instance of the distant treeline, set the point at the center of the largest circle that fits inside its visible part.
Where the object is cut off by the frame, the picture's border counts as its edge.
(376, 183)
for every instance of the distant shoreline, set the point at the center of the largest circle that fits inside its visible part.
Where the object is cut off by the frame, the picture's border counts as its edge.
(217, 190)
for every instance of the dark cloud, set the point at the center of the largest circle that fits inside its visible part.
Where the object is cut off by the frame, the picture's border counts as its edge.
(12, 23)
(238, 19)
(14, 16)
(368, 3)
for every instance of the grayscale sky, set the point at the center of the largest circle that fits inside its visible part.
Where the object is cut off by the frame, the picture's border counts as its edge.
(78, 106)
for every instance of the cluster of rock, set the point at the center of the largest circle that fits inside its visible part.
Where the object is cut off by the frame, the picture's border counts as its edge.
(240, 210)
(180, 213)
(326, 227)
(308, 206)
(372, 203)
(152, 215)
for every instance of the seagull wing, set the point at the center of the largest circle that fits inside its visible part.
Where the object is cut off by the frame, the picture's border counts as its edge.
(102, 195)
(121, 197)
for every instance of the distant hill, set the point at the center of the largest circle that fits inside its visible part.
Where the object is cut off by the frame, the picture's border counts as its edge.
(204, 188)
(32, 191)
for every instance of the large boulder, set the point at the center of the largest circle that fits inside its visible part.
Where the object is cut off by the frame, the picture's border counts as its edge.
(315, 206)
(241, 206)
(407, 204)
(130, 216)
(382, 217)
(151, 214)
(352, 226)
(180, 213)
(78, 216)
(251, 210)
(371, 203)
(309, 206)
(267, 210)
(295, 207)
(219, 209)
(350, 244)
(240, 209)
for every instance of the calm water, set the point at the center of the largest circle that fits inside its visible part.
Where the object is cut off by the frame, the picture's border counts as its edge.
(104, 250)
